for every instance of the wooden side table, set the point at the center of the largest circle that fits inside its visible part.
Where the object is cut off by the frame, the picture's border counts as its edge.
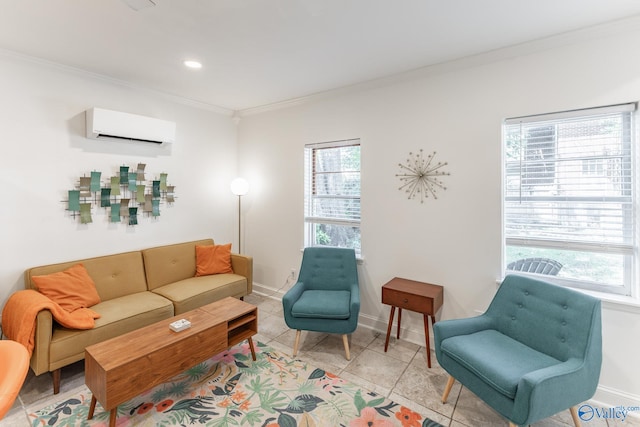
(416, 296)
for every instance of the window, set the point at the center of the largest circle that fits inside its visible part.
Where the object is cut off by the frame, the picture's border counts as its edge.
(569, 196)
(332, 194)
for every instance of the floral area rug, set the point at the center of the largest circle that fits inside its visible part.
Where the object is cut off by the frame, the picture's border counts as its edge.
(230, 389)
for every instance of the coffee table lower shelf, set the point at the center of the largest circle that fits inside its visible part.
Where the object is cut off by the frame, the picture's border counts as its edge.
(121, 368)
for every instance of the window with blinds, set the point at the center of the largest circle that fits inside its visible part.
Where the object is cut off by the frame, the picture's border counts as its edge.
(332, 194)
(569, 208)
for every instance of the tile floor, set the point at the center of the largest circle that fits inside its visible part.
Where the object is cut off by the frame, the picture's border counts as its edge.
(401, 374)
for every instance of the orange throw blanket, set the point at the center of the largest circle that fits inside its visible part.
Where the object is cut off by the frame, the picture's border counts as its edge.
(20, 311)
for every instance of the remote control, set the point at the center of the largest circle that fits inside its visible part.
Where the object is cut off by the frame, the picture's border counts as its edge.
(180, 325)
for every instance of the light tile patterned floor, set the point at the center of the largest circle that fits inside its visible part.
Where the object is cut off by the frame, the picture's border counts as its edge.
(400, 374)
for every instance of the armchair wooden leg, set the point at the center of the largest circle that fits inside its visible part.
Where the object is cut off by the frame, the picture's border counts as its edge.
(345, 340)
(574, 415)
(296, 343)
(512, 424)
(447, 389)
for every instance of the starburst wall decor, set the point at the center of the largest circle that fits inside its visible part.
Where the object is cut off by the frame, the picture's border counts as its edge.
(419, 176)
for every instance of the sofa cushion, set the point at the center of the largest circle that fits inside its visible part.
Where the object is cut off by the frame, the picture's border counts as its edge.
(171, 263)
(322, 304)
(498, 360)
(71, 289)
(195, 292)
(118, 316)
(213, 259)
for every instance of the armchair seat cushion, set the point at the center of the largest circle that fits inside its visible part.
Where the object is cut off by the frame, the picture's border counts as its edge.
(496, 359)
(322, 304)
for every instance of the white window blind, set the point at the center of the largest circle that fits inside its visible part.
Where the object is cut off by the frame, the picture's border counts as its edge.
(569, 194)
(332, 194)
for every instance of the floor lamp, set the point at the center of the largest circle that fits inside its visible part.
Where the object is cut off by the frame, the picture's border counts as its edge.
(239, 187)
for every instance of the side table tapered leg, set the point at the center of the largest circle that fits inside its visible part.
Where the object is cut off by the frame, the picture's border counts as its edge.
(426, 336)
(386, 342)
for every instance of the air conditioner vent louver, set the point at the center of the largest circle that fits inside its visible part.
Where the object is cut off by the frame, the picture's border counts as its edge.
(104, 135)
(110, 124)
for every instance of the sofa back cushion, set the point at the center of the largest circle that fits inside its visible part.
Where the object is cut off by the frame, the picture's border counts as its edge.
(554, 320)
(171, 263)
(328, 268)
(114, 275)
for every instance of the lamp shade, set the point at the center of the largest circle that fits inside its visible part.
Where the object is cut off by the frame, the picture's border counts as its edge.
(239, 186)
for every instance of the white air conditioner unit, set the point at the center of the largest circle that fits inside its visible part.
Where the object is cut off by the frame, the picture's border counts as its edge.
(103, 123)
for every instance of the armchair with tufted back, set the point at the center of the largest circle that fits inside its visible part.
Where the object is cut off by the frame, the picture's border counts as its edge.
(536, 351)
(326, 297)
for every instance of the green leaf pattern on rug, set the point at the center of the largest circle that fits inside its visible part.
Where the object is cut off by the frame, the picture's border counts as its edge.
(232, 390)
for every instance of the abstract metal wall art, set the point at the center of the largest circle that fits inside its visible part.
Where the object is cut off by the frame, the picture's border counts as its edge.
(123, 197)
(419, 176)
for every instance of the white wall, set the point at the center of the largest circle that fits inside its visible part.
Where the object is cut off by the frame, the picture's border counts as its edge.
(456, 110)
(44, 151)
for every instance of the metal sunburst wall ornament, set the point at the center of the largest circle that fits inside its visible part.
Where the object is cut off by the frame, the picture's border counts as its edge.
(420, 176)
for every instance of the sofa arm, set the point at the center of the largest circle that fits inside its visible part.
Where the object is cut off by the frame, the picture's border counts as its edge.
(289, 298)
(42, 342)
(553, 389)
(450, 328)
(355, 301)
(243, 265)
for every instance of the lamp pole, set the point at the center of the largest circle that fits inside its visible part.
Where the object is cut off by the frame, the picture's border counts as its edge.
(239, 187)
(239, 224)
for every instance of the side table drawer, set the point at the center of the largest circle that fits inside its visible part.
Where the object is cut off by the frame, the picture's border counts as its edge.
(407, 301)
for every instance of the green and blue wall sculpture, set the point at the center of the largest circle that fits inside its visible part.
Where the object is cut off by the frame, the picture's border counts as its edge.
(124, 196)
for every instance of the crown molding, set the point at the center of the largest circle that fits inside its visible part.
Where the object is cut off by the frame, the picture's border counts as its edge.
(110, 80)
(595, 32)
(508, 52)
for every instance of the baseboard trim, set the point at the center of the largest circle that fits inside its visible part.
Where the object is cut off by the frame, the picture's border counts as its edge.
(268, 292)
(608, 397)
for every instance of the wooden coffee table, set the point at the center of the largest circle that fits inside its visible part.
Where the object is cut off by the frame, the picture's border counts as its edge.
(121, 368)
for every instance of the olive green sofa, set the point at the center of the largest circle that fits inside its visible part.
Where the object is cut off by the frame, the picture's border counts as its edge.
(136, 289)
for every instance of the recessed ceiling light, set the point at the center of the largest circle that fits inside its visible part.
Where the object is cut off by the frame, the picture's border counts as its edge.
(192, 64)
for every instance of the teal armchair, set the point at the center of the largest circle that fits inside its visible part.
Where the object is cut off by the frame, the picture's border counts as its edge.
(536, 351)
(326, 297)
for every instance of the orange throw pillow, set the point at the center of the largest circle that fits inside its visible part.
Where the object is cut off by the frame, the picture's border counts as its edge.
(71, 289)
(213, 259)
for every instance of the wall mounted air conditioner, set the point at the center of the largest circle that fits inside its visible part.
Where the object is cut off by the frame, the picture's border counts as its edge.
(103, 123)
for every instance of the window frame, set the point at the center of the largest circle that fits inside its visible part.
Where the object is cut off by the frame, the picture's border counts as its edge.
(629, 251)
(310, 193)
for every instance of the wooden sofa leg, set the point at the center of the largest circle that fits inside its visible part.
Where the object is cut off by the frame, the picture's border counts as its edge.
(447, 389)
(56, 380)
(345, 340)
(574, 415)
(296, 343)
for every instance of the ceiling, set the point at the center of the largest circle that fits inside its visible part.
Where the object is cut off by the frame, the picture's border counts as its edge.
(261, 52)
